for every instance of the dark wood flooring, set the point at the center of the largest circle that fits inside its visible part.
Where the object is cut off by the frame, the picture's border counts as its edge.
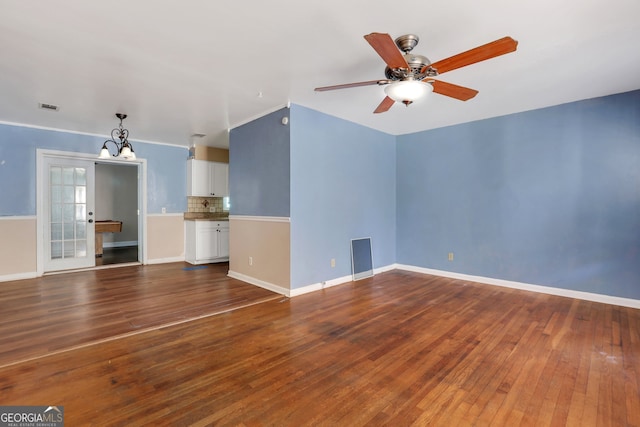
(65, 311)
(397, 349)
(118, 255)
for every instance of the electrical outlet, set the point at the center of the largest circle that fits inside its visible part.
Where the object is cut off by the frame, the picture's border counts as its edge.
(164, 210)
(212, 209)
(250, 260)
(333, 262)
(450, 256)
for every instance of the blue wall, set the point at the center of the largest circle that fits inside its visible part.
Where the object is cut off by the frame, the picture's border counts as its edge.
(166, 176)
(548, 197)
(259, 167)
(166, 168)
(342, 187)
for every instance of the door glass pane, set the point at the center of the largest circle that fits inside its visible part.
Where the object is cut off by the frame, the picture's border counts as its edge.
(68, 176)
(81, 176)
(81, 248)
(56, 250)
(68, 232)
(69, 249)
(56, 231)
(68, 194)
(56, 212)
(68, 213)
(55, 176)
(81, 230)
(81, 194)
(81, 211)
(56, 194)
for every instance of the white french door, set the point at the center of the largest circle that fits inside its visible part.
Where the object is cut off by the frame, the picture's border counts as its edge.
(68, 213)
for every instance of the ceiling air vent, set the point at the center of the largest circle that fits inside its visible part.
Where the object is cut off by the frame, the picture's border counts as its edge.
(48, 107)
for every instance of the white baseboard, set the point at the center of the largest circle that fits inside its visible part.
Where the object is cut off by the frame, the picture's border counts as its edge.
(260, 283)
(334, 282)
(305, 289)
(319, 286)
(18, 276)
(385, 268)
(164, 260)
(120, 244)
(588, 296)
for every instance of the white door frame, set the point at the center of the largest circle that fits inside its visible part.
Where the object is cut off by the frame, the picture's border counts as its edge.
(40, 219)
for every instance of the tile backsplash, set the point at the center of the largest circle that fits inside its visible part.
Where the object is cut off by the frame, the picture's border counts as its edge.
(204, 204)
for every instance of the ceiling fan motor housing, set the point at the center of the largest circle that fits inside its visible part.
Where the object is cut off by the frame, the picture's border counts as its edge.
(407, 42)
(416, 64)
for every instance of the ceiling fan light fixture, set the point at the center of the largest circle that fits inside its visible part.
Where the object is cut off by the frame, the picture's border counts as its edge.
(408, 91)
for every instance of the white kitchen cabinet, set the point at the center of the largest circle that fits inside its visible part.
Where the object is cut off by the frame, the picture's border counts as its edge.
(207, 241)
(223, 242)
(207, 179)
(198, 178)
(219, 181)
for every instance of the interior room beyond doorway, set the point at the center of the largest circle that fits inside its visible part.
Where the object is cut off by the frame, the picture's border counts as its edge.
(117, 200)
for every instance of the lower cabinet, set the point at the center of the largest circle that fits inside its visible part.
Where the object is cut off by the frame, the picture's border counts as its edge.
(207, 241)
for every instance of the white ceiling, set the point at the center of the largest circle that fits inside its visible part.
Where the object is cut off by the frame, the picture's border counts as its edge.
(198, 66)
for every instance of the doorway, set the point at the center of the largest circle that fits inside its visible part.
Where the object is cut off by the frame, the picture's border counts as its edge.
(76, 190)
(117, 200)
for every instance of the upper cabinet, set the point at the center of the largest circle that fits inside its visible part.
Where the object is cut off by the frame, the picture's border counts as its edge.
(219, 173)
(207, 179)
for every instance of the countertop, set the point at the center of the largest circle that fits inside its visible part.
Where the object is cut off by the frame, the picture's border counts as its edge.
(206, 216)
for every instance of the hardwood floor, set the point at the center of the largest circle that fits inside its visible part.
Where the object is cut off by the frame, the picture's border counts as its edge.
(397, 349)
(118, 255)
(62, 311)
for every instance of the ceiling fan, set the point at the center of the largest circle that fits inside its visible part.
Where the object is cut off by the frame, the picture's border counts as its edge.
(410, 77)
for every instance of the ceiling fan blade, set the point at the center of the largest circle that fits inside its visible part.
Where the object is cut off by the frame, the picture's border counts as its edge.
(384, 105)
(348, 85)
(454, 91)
(478, 54)
(387, 49)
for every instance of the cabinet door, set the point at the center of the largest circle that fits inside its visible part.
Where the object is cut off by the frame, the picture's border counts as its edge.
(206, 241)
(190, 241)
(206, 179)
(219, 179)
(198, 178)
(223, 241)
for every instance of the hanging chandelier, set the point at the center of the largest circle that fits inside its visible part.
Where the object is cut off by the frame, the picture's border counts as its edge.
(124, 148)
